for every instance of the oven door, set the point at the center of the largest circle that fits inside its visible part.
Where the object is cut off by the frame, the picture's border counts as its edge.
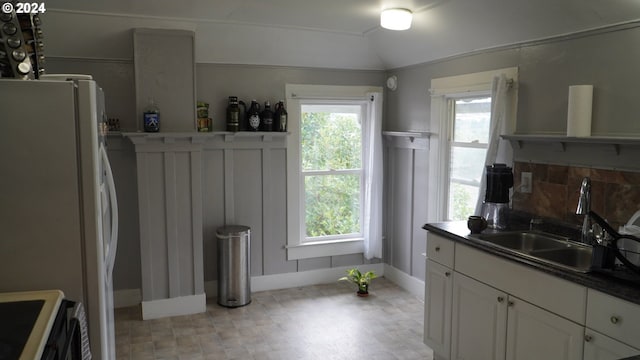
(66, 341)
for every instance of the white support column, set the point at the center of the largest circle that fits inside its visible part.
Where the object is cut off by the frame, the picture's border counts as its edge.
(169, 287)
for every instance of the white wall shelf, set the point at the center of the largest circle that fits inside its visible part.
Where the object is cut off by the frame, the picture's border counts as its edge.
(407, 139)
(559, 142)
(209, 139)
(412, 135)
(227, 134)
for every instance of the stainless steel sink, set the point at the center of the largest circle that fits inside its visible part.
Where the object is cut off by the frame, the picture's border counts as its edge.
(525, 241)
(575, 257)
(542, 247)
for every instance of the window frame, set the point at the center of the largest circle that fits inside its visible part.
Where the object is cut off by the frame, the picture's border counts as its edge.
(441, 91)
(296, 247)
(361, 104)
(451, 99)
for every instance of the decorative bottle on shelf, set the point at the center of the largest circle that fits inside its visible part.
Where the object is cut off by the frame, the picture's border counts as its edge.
(151, 117)
(280, 117)
(253, 116)
(267, 117)
(233, 114)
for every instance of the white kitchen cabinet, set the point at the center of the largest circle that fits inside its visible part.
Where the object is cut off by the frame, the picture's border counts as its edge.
(479, 320)
(437, 309)
(601, 347)
(614, 317)
(613, 326)
(441, 250)
(549, 292)
(499, 309)
(534, 333)
(490, 324)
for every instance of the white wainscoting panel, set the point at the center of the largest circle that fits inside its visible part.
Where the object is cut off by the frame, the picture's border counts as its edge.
(170, 203)
(190, 184)
(406, 171)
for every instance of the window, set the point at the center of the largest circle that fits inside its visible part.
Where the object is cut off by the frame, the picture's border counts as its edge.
(331, 162)
(460, 125)
(470, 120)
(327, 168)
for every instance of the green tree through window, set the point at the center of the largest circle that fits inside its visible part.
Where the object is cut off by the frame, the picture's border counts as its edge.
(471, 118)
(331, 149)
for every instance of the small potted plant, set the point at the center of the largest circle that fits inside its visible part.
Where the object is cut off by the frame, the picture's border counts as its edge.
(361, 280)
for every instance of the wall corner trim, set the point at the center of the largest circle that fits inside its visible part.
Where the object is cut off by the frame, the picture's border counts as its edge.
(412, 284)
(127, 297)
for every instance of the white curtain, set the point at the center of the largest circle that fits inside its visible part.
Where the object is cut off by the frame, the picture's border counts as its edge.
(373, 178)
(499, 150)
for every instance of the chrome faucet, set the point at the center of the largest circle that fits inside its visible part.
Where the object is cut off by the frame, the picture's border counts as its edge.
(584, 206)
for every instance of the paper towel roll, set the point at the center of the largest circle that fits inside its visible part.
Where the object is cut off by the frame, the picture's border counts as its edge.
(579, 112)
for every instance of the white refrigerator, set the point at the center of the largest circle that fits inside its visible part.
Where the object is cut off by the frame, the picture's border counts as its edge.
(58, 209)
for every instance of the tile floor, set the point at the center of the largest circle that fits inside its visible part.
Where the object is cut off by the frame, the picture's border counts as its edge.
(314, 322)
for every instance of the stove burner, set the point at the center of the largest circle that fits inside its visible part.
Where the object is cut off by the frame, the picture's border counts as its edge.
(16, 322)
(6, 350)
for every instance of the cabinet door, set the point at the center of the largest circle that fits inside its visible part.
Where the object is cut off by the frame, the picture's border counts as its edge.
(601, 347)
(479, 319)
(534, 333)
(617, 318)
(437, 309)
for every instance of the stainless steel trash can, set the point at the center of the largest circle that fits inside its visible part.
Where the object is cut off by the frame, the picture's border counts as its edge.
(234, 267)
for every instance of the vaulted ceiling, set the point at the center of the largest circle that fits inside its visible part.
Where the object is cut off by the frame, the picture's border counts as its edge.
(348, 30)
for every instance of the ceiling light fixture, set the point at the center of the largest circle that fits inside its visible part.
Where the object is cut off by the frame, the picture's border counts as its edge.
(396, 19)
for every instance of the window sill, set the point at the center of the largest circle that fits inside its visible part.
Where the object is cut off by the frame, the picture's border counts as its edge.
(321, 249)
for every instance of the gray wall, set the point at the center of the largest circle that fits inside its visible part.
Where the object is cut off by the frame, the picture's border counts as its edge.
(608, 60)
(214, 84)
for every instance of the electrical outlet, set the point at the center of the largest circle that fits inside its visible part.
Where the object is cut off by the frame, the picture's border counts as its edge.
(525, 183)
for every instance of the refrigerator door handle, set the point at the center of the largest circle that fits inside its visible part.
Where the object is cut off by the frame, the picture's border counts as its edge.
(113, 242)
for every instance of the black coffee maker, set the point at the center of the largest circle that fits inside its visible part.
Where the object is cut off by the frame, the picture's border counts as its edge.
(495, 208)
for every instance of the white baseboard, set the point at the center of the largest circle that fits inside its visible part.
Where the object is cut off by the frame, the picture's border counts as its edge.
(183, 305)
(132, 297)
(127, 298)
(296, 279)
(413, 285)
(305, 278)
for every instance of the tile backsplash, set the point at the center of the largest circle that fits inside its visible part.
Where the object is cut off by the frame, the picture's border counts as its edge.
(615, 195)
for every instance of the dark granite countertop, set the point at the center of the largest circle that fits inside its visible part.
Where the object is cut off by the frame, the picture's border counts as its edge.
(625, 289)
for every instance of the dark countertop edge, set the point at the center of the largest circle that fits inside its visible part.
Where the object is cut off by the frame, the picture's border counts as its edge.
(458, 231)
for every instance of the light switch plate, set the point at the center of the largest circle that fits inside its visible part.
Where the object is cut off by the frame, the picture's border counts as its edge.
(525, 183)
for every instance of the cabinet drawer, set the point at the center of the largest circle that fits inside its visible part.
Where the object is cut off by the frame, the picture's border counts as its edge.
(602, 347)
(440, 249)
(531, 285)
(614, 317)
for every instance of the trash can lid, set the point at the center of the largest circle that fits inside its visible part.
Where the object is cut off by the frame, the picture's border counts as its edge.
(230, 230)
